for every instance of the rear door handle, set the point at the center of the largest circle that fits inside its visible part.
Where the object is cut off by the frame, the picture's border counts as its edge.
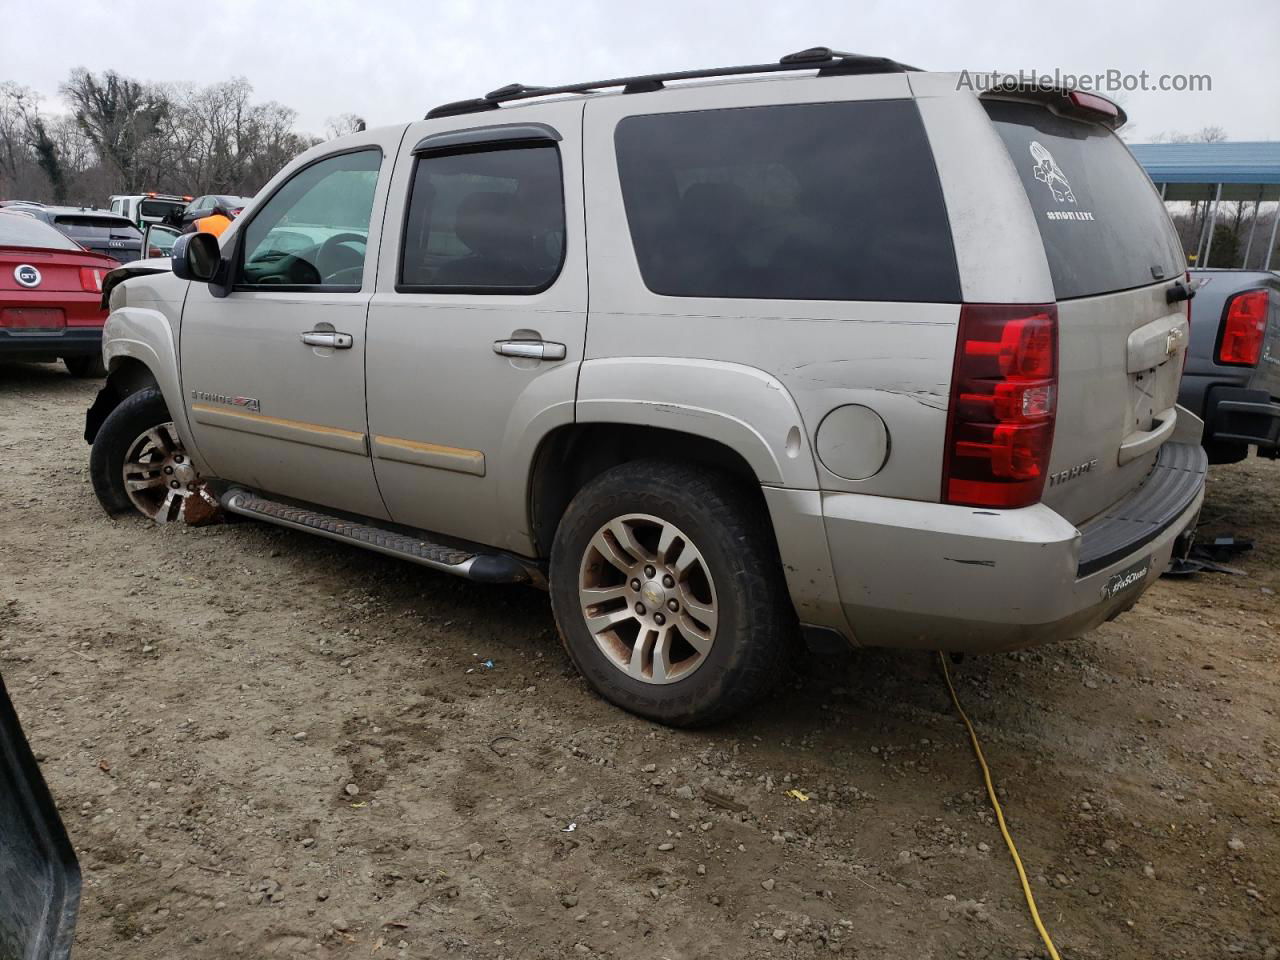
(530, 349)
(327, 338)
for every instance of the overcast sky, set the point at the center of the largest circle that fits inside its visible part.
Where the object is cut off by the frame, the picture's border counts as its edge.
(389, 61)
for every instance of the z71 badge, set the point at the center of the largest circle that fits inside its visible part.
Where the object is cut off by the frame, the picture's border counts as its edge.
(249, 403)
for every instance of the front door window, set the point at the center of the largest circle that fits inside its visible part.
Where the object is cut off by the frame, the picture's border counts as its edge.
(313, 232)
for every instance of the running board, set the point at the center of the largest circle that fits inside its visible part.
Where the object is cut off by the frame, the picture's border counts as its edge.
(472, 564)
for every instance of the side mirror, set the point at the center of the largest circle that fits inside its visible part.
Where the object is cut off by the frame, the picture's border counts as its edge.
(196, 256)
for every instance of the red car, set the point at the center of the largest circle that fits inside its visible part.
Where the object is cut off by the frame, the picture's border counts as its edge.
(50, 296)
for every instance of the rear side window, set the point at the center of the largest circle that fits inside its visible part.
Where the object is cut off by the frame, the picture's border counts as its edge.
(161, 208)
(821, 201)
(1103, 225)
(490, 221)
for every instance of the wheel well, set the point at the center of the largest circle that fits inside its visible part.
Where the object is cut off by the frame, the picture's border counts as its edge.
(571, 456)
(127, 377)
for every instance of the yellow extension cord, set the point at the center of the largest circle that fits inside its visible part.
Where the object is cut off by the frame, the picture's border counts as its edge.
(1004, 830)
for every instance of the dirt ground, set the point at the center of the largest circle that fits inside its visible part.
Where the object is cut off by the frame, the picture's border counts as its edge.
(266, 744)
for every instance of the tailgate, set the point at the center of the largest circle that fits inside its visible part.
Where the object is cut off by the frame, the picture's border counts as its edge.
(1113, 254)
(1120, 363)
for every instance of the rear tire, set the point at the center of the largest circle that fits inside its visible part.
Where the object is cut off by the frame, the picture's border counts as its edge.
(85, 367)
(717, 622)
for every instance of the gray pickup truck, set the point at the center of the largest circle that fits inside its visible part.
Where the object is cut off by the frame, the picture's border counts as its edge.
(1232, 380)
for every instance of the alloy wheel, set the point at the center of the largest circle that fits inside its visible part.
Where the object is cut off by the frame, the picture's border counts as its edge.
(648, 598)
(159, 476)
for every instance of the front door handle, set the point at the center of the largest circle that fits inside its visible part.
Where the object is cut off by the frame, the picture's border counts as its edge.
(328, 338)
(530, 349)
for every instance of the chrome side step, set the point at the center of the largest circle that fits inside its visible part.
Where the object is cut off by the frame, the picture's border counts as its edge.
(486, 567)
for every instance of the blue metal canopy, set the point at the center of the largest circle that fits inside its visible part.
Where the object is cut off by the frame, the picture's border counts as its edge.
(1213, 172)
(1249, 170)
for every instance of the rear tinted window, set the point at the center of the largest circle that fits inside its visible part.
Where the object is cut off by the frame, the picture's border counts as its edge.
(824, 201)
(489, 221)
(1103, 225)
(98, 228)
(162, 208)
(19, 230)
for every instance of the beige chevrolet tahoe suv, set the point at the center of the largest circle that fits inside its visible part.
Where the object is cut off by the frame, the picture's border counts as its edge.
(827, 348)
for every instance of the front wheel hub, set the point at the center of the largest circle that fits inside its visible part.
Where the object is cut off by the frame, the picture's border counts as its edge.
(159, 477)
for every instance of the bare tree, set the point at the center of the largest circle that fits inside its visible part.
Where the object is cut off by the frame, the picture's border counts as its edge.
(1203, 135)
(122, 136)
(342, 125)
(38, 155)
(118, 115)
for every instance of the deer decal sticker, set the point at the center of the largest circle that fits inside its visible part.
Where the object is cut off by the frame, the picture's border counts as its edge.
(1050, 174)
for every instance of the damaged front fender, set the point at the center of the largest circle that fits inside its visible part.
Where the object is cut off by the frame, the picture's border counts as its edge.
(139, 268)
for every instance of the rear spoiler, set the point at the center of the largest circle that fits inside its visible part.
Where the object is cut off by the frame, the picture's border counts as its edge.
(1068, 103)
(39, 875)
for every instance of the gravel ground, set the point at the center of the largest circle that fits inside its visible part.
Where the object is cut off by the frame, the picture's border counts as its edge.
(266, 744)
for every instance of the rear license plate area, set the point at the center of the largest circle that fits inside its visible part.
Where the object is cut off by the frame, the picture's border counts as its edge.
(33, 319)
(1128, 578)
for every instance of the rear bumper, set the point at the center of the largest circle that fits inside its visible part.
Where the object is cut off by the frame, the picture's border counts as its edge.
(933, 576)
(1238, 415)
(70, 342)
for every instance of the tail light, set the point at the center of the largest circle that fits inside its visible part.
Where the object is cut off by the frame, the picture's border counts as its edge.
(91, 279)
(1243, 326)
(1004, 397)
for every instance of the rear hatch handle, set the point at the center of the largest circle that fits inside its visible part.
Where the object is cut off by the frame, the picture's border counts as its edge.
(1144, 441)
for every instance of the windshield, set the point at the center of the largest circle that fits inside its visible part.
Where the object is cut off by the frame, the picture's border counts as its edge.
(1102, 223)
(19, 230)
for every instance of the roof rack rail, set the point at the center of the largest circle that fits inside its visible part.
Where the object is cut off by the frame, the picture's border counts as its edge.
(826, 61)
